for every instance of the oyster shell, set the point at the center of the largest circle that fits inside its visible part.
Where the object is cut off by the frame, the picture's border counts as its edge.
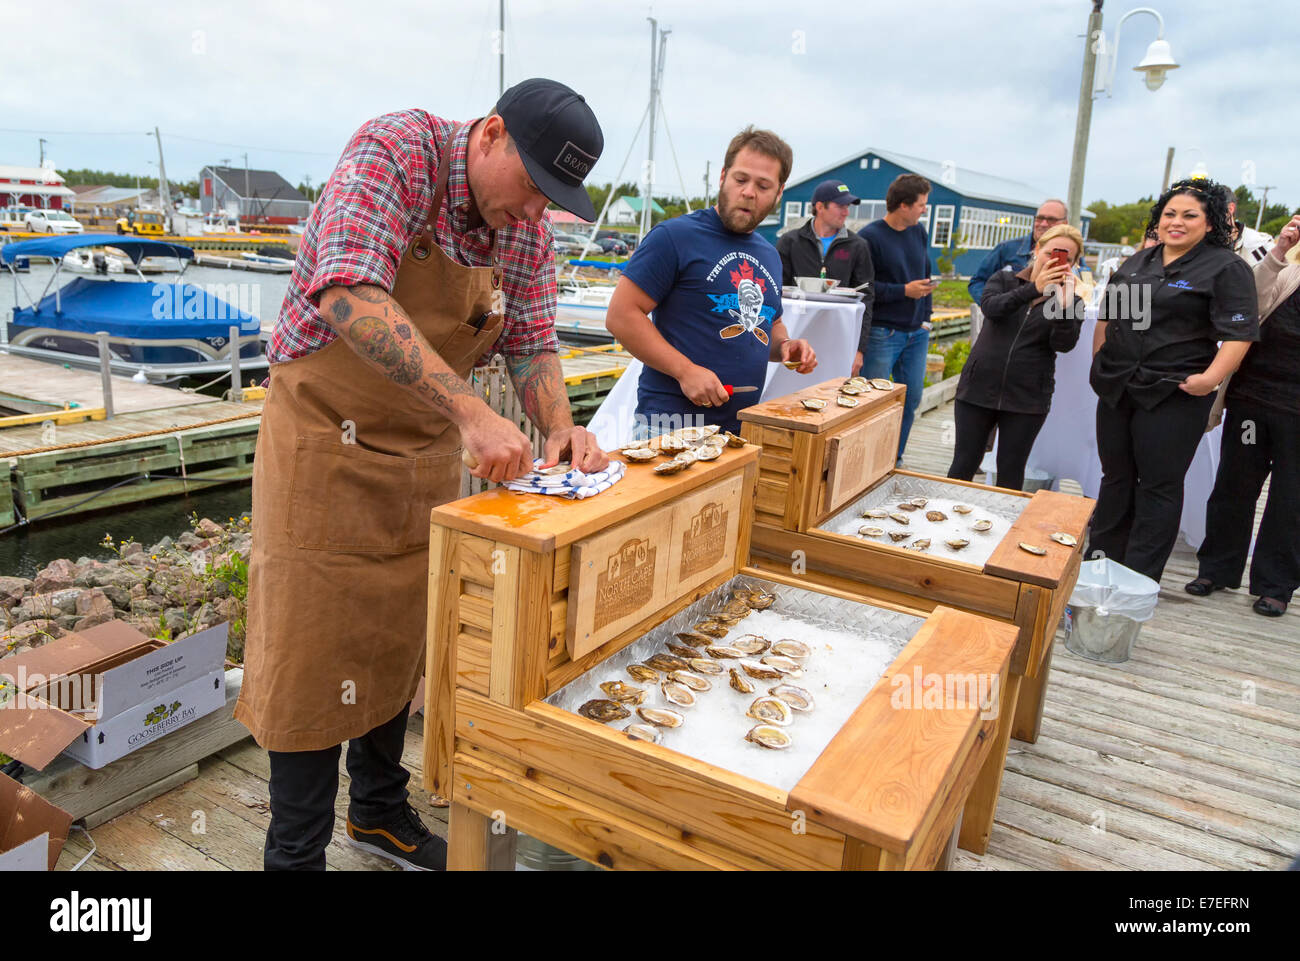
(660, 716)
(1069, 540)
(869, 531)
(982, 526)
(789, 647)
(708, 452)
(740, 683)
(761, 600)
(897, 536)
(860, 381)
(881, 384)
(640, 454)
(671, 444)
(742, 594)
(733, 440)
(918, 501)
(761, 672)
(751, 644)
(846, 401)
(875, 512)
(769, 736)
(935, 516)
(671, 466)
(722, 652)
(1033, 548)
(907, 506)
(642, 732)
(604, 711)
(561, 468)
(796, 697)
(643, 673)
(681, 650)
(687, 457)
(737, 607)
(813, 403)
(693, 681)
(622, 692)
(694, 638)
(712, 628)
(957, 543)
(918, 545)
(772, 710)
(678, 694)
(704, 665)
(900, 518)
(786, 665)
(961, 509)
(692, 434)
(666, 662)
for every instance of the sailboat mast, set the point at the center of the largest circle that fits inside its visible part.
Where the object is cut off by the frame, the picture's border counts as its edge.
(648, 176)
(501, 49)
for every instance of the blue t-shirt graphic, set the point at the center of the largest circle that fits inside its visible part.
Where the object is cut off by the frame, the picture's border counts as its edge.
(718, 294)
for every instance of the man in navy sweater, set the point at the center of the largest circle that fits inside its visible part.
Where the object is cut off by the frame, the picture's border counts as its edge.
(900, 327)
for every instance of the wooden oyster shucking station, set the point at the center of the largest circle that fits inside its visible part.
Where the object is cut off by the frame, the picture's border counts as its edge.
(613, 677)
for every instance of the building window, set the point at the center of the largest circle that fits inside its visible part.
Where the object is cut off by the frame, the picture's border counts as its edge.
(864, 163)
(864, 213)
(793, 213)
(943, 215)
(983, 228)
(875, 163)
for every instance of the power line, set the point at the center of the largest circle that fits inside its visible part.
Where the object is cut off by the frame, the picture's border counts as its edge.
(170, 136)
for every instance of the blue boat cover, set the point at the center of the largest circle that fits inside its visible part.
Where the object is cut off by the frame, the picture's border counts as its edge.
(127, 309)
(57, 245)
(600, 264)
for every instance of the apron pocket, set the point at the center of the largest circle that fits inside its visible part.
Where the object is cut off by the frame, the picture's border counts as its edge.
(345, 498)
(466, 344)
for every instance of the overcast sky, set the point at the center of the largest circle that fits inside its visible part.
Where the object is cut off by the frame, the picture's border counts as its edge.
(989, 85)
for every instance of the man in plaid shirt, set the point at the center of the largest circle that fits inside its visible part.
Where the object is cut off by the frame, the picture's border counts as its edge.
(373, 206)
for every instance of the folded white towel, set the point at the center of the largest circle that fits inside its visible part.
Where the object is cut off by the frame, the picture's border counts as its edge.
(573, 484)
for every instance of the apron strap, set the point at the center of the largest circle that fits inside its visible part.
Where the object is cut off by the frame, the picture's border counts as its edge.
(423, 245)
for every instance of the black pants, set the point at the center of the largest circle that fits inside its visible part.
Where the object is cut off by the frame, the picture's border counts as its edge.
(1256, 440)
(304, 785)
(1144, 458)
(1016, 433)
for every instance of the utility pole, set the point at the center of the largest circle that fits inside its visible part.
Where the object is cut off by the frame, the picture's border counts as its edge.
(1083, 122)
(43, 142)
(247, 192)
(1263, 202)
(707, 184)
(1169, 166)
(501, 51)
(164, 195)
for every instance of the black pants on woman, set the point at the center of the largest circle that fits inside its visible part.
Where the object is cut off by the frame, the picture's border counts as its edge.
(1016, 433)
(1256, 440)
(304, 785)
(1145, 455)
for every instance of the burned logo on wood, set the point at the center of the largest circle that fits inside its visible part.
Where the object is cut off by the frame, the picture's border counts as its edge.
(627, 582)
(704, 544)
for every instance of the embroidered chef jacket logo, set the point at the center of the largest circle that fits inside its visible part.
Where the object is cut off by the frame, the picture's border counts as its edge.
(1180, 284)
(627, 582)
(746, 305)
(706, 541)
(1238, 318)
(573, 160)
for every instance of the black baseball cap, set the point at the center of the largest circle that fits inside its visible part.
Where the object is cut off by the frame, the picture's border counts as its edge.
(558, 140)
(833, 192)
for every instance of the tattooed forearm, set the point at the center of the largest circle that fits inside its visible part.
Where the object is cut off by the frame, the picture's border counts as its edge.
(379, 331)
(539, 382)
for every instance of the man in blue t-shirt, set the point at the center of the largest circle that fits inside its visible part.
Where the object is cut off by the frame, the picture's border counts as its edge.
(714, 288)
(900, 325)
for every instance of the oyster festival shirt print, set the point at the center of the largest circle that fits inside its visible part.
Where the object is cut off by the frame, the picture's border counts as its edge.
(718, 294)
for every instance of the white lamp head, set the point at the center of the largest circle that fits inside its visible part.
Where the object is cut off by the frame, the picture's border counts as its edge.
(1158, 61)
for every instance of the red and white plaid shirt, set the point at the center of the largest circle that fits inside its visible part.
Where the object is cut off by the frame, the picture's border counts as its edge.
(376, 202)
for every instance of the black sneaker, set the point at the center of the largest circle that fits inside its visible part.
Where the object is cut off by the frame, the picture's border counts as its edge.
(402, 838)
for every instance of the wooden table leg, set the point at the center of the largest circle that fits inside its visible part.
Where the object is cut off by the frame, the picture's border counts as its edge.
(473, 846)
(977, 816)
(950, 849)
(1033, 693)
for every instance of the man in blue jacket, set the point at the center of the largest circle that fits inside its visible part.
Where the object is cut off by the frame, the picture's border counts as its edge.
(899, 338)
(1014, 254)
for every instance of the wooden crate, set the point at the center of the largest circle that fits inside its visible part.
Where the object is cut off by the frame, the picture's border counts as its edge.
(504, 570)
(814, 463)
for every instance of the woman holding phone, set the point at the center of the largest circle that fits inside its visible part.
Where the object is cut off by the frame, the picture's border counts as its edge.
(1156, 362)
(1261, 436)
(1008, 380)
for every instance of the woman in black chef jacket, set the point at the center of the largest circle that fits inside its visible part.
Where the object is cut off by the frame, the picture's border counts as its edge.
(1261, 434)
(1008, 380)
(1156, 363)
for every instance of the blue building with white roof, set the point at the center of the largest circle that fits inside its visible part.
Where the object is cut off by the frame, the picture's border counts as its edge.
(980, 210)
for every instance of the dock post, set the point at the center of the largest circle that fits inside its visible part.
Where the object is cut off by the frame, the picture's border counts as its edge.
(236, 388)
(106, 373)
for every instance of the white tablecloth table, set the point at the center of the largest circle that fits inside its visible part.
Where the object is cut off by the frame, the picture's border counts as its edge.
(1067, 445)
(831, 328)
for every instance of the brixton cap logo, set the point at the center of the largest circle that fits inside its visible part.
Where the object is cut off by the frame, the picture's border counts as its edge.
(557, 137)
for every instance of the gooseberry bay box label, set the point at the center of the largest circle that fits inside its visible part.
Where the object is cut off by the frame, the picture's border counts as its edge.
(631, 571)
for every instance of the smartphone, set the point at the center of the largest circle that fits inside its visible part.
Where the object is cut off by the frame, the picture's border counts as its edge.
(1058, 257)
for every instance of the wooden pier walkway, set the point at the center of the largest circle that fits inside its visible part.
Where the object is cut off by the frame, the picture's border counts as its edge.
(1186, 756)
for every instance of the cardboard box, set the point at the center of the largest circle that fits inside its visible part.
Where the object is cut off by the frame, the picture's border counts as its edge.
(102, 693)
(32, 830)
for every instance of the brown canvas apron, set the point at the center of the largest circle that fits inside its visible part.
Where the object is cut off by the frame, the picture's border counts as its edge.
(348, 466)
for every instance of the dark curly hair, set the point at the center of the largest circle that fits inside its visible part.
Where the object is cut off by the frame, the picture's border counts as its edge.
(1210, 195)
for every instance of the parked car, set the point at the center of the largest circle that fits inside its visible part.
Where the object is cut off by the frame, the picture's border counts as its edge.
(52, 222)
(613, 245)
(568, 244)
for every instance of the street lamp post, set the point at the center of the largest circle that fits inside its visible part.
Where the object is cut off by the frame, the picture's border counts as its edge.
(1157, 62)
